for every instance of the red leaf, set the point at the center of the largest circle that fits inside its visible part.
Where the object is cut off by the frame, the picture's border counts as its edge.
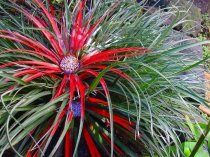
(42, 28)
(70, 117)
(40, 74)
(119, 120)
(47, 65)
(72, 88)
(58, 122)
(95, 25)
(115, 146)
(91, 145)
(110, 54)
(61, 87)
(25, 72)
(77, 34)
(81, 89)
(97, 101)
(29, 154)
(28, 42)
(68, 144)
(119, 72)
(53, 23)
(102, 81)
(31, 52)
(52, 10)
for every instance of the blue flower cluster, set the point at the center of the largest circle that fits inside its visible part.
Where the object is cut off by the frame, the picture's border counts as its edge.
(76, 108)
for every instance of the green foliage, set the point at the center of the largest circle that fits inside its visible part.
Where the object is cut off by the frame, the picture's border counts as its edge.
(203, 146)
(197, 129)
(192, 14)
(57, 1)
(206, 50)
(156, 100)
(206, 21)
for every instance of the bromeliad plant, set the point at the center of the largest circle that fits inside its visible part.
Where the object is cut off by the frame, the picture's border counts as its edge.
(80, 79)
(66, 54)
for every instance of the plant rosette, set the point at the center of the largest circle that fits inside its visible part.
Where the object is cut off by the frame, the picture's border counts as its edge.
(66, 54)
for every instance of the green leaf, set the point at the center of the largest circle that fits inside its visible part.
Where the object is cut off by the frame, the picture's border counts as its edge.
(96, 81)
(19, 81)
(192, 128)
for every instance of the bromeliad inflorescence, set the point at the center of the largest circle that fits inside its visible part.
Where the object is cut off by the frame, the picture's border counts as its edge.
(69, 64)
(65, 55)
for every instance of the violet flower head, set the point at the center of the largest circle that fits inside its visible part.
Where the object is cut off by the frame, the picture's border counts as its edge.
(76, 108)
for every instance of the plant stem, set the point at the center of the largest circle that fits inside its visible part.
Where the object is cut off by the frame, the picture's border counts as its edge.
(200, 140)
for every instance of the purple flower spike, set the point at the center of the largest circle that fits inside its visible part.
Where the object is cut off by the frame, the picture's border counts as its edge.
(76, 108)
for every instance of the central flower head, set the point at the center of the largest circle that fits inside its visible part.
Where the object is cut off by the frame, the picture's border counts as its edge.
(69, 64)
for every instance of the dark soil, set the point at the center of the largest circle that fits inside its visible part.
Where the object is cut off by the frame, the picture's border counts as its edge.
(157, 3)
